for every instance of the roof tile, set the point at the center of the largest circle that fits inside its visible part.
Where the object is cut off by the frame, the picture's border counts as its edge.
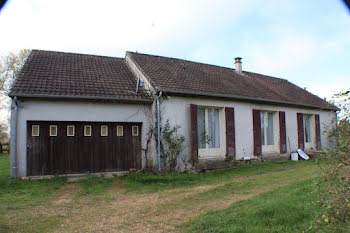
(76, 75)
(187, 77)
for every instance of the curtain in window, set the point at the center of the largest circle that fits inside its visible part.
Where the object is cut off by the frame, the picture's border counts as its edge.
(262, 128)
(307, 129)
(270, 128)
(213, 127)
(201, 127)
(267, 137)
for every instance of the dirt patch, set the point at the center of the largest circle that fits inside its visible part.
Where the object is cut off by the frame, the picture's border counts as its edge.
(154, 212)
(119, 211)
(185, 191)
(66, 196)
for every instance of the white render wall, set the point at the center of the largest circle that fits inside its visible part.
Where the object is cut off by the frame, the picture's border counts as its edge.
(177, 111)
(78, 111)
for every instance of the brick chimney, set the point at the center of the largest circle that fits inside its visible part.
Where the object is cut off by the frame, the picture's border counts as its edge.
(238, 64)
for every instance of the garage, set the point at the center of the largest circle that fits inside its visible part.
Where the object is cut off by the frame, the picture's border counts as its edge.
(64, 147)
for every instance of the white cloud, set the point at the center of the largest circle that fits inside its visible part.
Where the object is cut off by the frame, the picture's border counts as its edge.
(289, 50)
(110, 27)
(303, 58)
(328, 89)
(180, 28)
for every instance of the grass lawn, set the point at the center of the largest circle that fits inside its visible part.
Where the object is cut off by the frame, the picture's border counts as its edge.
(287, 209)
(270, 196)
(150, 183)
(19, 194)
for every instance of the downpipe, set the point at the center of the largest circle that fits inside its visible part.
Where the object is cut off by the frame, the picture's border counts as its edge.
(158, 130)
(14, 140)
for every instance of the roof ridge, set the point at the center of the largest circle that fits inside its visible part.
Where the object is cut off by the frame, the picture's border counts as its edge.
(181, 59)
(310, 93)
(256, 85)
(63, 75)
(73, 53)
(140, 88)
(139, 67)
(268, 76)
(202, 63)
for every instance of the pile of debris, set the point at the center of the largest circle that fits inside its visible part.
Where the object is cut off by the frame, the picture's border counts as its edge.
(300, 155)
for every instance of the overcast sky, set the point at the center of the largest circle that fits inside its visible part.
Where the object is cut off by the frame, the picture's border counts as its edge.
(306, 42)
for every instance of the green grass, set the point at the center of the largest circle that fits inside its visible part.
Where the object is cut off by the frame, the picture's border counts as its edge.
(227, 190)
(246, 186)
(29, 224)
(94, 185)
(143, 182)
(4, 165)
(21, 194)
(286, 209)
(16, 193)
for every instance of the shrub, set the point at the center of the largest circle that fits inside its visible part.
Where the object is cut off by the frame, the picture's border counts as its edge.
(335, 183)
(172, 146)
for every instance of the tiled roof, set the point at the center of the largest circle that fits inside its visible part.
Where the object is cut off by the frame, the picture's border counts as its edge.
(191, 78)
(50, 74)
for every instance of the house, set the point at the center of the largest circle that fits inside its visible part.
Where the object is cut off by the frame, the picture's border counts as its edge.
(73, 113)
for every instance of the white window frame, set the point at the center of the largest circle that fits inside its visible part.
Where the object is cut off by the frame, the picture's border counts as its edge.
(120, 133)
(70, 126)
(307, 118)
(104, 135)
(312, 143)
(53, 127)
(33, 134)
(266, 149)
(219, 152)
(132, 130)
(85, 127)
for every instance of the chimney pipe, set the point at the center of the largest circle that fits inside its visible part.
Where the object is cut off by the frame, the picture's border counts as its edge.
(238, 64)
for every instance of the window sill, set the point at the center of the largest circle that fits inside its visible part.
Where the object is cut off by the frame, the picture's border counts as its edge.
(211, 153)
(309, 146)
(205, 158)
(269, 149)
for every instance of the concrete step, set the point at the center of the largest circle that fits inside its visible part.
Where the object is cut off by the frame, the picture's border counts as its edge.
(77, 177)
(213, 164)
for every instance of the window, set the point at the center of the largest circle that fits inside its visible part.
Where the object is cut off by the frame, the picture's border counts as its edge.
(213, 126)
(35, 130)
(104, 130)
(53, 130)
(120, 131)
(135, 130)
(70, 130)
(267, 137)
(202, 137)
(87, 130)
(208, 128)
(307, 128)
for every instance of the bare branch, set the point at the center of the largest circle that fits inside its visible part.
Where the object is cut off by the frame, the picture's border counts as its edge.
(10, 67)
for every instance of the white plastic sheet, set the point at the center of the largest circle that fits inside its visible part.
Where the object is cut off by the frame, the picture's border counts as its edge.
(303, 154)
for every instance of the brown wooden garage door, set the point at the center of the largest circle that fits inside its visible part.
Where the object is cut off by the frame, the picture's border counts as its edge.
(79, 147)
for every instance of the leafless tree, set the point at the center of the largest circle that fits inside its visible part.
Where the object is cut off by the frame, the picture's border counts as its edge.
(3, 133)
(10, 67)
